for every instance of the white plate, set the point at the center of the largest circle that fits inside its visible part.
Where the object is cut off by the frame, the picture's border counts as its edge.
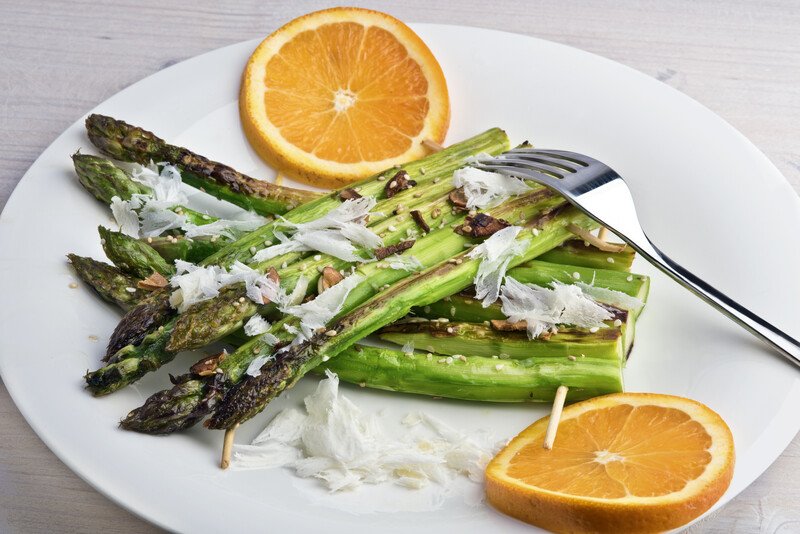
(705, 194)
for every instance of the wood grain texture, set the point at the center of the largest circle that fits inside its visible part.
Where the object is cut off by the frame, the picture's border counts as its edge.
(60, 59)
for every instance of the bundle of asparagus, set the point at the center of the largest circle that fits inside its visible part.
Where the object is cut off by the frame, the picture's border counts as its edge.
(414, 294)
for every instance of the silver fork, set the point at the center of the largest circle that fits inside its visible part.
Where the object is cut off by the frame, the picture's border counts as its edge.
(601, 193)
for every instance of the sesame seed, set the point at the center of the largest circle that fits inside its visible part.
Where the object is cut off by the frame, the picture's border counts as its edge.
(467, 228)
(253, 250)
(450, 330)
(576, 275)
(459, 261)
(130, 289)
(317, 257)
(610, 259)
(214, 238)
(486, 323)
(468, 245)
(74, 285)
(236, 303)
(362, 384)
(320, 268)
(499, 367)
(535, 231)
(241, 299)
(422, 171)
(391, 228)
(331, 333)
(473, 213)
(594, 329)
(102, 241)
(437, 180)
(442, 360)
(284, 265)
(630, 278)
(494, 356)
(461, 357)
(392, 184)
(149, 239)
(93, 338)
(206, 217)
(444, 320)
(267, 243)
(449, 360)
(326, 358)
(381, 178)
(571, 358)
(617, 322)
(417, 195)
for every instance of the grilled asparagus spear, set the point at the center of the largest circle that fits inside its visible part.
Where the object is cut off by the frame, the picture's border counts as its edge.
(124, 142)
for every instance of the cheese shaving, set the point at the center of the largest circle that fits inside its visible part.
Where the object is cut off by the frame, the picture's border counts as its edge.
(254, 369)
(316, 313)
(618, 299)
(495, 254)
(335, 442)
(151, 215)
(256, 325)
(194, 283)
(543, 308)
(338, 233)
(404, 263)
(485, 189)
(230, 228)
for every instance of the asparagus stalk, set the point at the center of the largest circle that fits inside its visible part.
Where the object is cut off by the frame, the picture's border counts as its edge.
(576, 252)
(431, 250)
(250, 396)
(108, 281)
(478, 378)
(470, 339)
(104, 181)
(133, 256)
(424, 171)
(124, 142)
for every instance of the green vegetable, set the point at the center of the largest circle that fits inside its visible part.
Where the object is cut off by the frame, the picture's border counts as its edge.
(132, 255)
(470, 339)
(575, 252)
(108, 281)
(477, 378)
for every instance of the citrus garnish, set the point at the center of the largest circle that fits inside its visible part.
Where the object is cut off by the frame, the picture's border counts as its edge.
(627, 462)
(340, 94)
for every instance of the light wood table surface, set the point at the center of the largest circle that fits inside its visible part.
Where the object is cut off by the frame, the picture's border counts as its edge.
(60, 59)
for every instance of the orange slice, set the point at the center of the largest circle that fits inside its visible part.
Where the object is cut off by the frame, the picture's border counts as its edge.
(627, 462)
(341, 94)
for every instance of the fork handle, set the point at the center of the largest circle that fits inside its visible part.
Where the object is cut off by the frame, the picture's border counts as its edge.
(779, 340)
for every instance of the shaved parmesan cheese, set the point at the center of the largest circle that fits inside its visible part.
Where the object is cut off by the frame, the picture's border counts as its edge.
(126, 217)
(543, 308)
(256, 325)
(254, 369)
(193, 284)
(230, 228)
(408, 347)
(316, 313)
(618, 299)
(495, 254)
(485, 189)
(338, 233)
(404, 262)
(338, 444)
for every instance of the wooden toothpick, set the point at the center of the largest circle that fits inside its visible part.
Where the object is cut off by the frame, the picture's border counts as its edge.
(602, 234)
(432, 145)
(555, 417)
(227, 446)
